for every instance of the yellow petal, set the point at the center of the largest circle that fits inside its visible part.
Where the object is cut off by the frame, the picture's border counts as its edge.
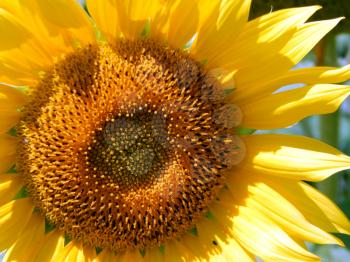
(256, 193)
(133, 15)
(154, 255)
(130, 255)
(220, 28)
(7, 152)
(14, 216)
(286, 108)
(308, 76)
(272, 61)
(174, 251)
(160, 22)
(10, 185)
(106, 17)
(73, 253)
(52, 248)
(69, 17)
(293, 157)
(11, 99)
(37, 31)
(214, 240)
(264, 37)
(29, 242)
(106, 256)
(261, 236)
(315, 206)
(218, 241)
(183, 22)
(16, 36)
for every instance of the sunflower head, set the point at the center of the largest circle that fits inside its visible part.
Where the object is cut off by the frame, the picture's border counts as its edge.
(129, 143)
(125, 146)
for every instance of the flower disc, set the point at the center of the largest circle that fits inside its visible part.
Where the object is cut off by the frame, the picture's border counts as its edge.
(125, 146)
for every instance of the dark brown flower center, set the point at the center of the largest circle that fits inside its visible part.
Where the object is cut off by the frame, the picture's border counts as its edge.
(131, 149)
(125, 146)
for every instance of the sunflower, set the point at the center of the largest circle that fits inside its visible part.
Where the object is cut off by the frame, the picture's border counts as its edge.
(121, 132)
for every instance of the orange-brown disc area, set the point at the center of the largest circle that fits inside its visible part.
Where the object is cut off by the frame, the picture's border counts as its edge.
(125, 146)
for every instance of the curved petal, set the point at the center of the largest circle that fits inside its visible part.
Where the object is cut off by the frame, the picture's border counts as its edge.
(10, 185)
(256, 193)
(183, 22)
(211, 232)
(14, 216)
(72, 253)
(315, 206)
(52, 247)
(133, 15)
(7, 152)
(175, 251)
(154, 255)
(130, 255)
(263, 237)
(29, 241)
(286, 108)
(220, 28)
(37, 32)
(106, 17)
(213, 240)
(274, 61)
(294, 157)
(11, 99)
(106, 256)
(308, 76)
(264, 36)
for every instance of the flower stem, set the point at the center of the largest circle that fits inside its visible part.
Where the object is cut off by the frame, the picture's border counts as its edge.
(329, 124)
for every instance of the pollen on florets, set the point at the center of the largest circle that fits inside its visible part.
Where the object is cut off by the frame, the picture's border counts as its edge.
(125, 146)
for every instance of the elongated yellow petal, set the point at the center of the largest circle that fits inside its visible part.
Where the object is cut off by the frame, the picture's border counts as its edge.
(264, 36)
(154, 255)
(106, 17)
(293, 157)
(183, 22)
(134, 15)
(263, 237)
(233, 251)
(286, 108)
(175, 251)
(11, 99)
(10, 185)
(130, 255)
(17, 35)
(315, 207)
(278, 60)
(72, 253)
(52, 248)
(69, 17)
(7, 152)
(160, 22)
(29, 242)
(220, 29)
(308, 76)
(255, 192)
(38, 31)
(14, 216)
(107, 256)
(217, 241)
